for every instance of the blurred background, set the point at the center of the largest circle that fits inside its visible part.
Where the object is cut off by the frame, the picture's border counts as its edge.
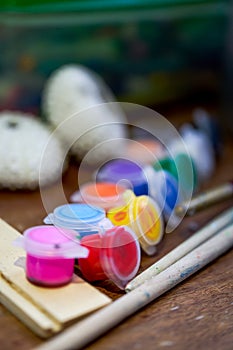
(156, 53)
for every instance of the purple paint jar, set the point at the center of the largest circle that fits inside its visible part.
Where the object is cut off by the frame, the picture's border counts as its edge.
(50, 255)
(124, 172)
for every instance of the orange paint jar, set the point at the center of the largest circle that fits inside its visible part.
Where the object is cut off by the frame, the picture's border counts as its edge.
(101, 194)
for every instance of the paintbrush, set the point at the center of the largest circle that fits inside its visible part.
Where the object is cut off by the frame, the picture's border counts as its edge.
(205, 199)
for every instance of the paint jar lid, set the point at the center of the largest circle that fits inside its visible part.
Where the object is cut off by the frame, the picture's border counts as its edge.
(75, 216)
(124, 170)
(102, 194)
(147, 222)
(120, 255)
(167, 164)
(50, 241)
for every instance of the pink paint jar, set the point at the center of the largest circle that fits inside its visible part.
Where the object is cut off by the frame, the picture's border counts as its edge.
(115, 255)
(50, 255)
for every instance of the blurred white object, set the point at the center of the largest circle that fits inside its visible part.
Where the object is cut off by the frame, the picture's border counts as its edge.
(200, 149)
(211, 127)
(22, 147)
(76, 103)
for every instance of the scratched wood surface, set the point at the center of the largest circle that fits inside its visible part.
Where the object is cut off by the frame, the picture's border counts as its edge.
(197, 314)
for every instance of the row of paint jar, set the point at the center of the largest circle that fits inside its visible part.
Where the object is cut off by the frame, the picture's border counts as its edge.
(106, 245)
(88, 234)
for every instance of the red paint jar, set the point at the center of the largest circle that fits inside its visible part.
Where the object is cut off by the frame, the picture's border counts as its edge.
(114, 255)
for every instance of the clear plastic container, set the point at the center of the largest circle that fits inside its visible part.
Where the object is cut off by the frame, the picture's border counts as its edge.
(103, 194)
(143, 215)
(164, 189)
(50, 255)
(188, 176)
(115, 255)
(83, 219)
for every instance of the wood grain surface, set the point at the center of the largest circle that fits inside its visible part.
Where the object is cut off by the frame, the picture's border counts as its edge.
(197, 314)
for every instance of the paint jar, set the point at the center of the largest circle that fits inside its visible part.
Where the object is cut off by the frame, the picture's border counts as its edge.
(115, 255)
(143, 215)
(101, 194)
(181, 167)
(187, 175)
(82, 219)
(164, 188)
(50, 255)
(126, 173)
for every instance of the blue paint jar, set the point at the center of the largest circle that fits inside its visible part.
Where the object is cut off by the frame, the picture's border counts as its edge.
(164, 189)
(125, 172)
(82, 218)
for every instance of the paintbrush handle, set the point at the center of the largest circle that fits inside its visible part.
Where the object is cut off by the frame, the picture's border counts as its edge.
(79, 335)
(205, 200)
(184, 248)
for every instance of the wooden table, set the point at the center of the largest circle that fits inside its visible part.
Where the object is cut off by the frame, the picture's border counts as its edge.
(197, 314)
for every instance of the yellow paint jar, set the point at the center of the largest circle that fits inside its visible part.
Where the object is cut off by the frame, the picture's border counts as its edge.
(143, 215)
